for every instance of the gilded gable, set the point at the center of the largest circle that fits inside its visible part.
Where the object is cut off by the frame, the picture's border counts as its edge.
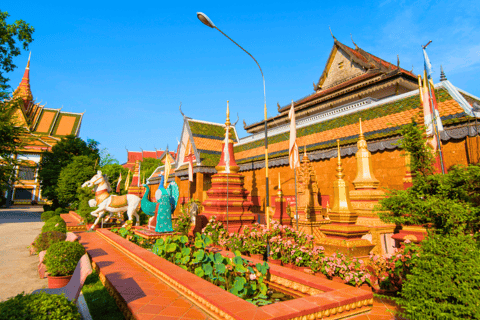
(340, 68)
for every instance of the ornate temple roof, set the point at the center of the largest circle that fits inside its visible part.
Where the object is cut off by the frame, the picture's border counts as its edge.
(45, 126)
(381, 121)
(349, 75)
(205, 140)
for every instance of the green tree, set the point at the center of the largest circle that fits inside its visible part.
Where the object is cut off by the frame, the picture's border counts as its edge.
(414, 144)
(106, 158)
(81, 169)
(61, 155)
(10, 142)
(112, 171)
(12, 36)
(148, 166)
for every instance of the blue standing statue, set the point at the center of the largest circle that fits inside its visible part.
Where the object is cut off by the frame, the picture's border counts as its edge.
(162, 210)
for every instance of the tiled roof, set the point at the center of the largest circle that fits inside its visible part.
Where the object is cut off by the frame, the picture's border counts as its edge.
(381, 121)
(67, 123)
(207, 139)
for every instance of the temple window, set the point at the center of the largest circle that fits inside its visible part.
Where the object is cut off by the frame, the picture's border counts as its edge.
(26, 173)
(340, 65)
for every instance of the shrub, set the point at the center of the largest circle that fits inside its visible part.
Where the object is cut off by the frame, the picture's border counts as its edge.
(46, 239)
(47, 207)
(59, 211)
(41, 306)
(62, 258)
(445, 280)
(47, 215)
(55, 223)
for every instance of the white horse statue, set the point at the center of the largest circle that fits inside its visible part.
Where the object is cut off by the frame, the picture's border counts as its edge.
(111, 203)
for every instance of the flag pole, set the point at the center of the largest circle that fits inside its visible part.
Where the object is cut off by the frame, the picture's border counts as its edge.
(296, 197)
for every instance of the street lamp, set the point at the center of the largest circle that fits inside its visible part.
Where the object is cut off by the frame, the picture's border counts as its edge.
(206, 21)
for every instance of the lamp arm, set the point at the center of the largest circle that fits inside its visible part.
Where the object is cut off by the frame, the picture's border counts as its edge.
(263, 78)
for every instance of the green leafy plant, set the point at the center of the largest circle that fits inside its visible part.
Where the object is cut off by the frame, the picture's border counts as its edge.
(42, 306)
(46, 239)
(47, 215)
(60, 210)
(55, 223)
(62, 258)
(445, 280)
(236, 275)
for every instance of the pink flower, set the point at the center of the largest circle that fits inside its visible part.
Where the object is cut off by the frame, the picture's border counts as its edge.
(253, 276)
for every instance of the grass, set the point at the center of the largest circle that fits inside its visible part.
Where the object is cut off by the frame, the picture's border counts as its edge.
(100, 303)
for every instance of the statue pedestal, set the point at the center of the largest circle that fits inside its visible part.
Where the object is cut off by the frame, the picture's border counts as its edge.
(346, 239)
(363, 202)
(239, 214)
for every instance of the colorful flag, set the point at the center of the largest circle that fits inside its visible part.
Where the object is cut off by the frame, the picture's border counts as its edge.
(168, 167)
(118, 183)
(190, 157)
(293, 150)
(430, 92)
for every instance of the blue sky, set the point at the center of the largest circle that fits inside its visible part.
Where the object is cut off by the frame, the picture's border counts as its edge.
(129, 65)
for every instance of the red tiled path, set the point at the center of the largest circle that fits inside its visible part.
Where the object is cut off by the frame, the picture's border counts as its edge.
(382, 309)
(146, 296)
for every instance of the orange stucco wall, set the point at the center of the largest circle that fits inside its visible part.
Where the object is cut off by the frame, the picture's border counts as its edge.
(388, 167)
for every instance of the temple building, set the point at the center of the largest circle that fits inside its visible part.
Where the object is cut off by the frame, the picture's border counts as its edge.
(354, 84)
(45, 127)
(133, 156)
(200, 143)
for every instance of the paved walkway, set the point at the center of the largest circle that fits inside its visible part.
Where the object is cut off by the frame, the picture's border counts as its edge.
(18, 269)
(146, 296)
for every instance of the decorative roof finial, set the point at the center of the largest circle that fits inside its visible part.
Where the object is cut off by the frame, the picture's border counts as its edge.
(227, 123)
(180, 107)
(332, 33)
(351, 37)
(398, 61)
(442, 74)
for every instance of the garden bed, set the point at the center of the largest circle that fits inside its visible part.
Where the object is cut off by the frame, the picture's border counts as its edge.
(318, 297)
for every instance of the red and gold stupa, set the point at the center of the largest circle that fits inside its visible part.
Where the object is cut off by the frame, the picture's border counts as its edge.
(135, 187)
(227, 198)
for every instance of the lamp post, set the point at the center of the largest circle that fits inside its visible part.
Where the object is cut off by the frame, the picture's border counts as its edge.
(206, 21)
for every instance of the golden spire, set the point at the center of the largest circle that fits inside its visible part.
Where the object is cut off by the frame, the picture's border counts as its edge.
(227, 123)
(279, 193)
(342, 210)
(361, 143)
(340, 173)
(28, 63)
(365, 178)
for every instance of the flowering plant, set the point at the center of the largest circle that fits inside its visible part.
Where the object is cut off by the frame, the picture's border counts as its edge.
(215, 230)
(255, 239)
(352, 271)
(389, 271)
